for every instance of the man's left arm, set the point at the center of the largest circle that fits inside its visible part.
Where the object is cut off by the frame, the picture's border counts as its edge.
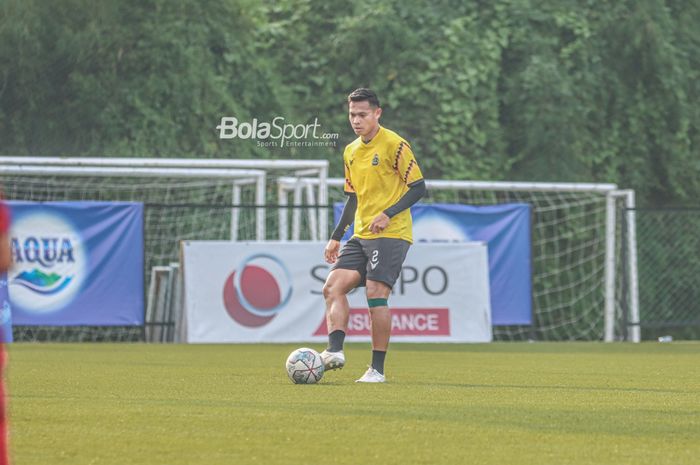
(415, 192)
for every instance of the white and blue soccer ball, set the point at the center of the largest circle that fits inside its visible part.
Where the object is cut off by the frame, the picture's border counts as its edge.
(304, 366)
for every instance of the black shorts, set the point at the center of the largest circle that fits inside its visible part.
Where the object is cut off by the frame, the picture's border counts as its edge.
(376, 259)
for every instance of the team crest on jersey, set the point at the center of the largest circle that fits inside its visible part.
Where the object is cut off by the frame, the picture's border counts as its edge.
(375, 160)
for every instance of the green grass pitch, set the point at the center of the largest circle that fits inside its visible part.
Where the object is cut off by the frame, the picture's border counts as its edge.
(502, 403)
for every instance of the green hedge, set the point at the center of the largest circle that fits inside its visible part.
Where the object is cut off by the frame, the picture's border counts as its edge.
(563, 90)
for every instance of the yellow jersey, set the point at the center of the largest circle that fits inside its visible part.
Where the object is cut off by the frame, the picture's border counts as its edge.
(379, 173)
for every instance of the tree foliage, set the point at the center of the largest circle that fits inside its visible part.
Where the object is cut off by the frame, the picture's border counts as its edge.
(542, 90)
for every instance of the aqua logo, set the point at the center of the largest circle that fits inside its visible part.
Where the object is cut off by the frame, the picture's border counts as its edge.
(49, 262)
(44, 252)
(41, 282)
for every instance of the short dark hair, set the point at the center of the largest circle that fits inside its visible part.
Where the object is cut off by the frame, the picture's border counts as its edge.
(364, 95)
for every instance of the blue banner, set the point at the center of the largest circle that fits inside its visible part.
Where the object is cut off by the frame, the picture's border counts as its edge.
(506, 230)
(5, 311)
(76, 263)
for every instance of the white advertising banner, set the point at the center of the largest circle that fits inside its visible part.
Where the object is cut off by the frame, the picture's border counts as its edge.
(272, 292)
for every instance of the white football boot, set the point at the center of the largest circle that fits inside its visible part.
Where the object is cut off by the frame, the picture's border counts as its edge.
(333, 360)
(372, 376)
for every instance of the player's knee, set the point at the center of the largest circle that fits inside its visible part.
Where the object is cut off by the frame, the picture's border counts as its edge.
(327, 290)
(377, 290)
(331, 290)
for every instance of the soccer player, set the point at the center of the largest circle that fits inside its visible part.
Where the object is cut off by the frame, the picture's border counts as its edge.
(382, 180)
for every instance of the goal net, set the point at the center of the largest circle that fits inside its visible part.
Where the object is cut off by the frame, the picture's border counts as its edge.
(581, 284)
(579, 248)
(183, 200)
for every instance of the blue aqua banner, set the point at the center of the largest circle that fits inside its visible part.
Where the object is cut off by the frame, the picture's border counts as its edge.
(506, 230)
(76, 263)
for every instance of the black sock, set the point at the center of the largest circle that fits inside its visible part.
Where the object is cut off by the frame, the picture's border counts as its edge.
(335, 340)
(378, 357)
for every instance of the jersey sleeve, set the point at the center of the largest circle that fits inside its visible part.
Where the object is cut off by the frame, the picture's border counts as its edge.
(349, 188)
(405, 164)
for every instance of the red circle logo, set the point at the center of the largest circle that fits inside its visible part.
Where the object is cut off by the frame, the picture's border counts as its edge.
(255, 297)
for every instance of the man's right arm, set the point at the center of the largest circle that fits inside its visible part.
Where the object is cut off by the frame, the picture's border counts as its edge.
(346, 218)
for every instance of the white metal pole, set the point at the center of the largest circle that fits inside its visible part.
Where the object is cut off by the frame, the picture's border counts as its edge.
(311, 211)
(634, 330)
(283, 212)
(609, 268)
(445, 184)
(296, 213)
(323, 201)
(165, 162)
(123, 170)
(260, 208)
(235, 211)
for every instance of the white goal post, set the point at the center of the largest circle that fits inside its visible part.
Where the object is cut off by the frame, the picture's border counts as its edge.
(200, 199)
(608, 194)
